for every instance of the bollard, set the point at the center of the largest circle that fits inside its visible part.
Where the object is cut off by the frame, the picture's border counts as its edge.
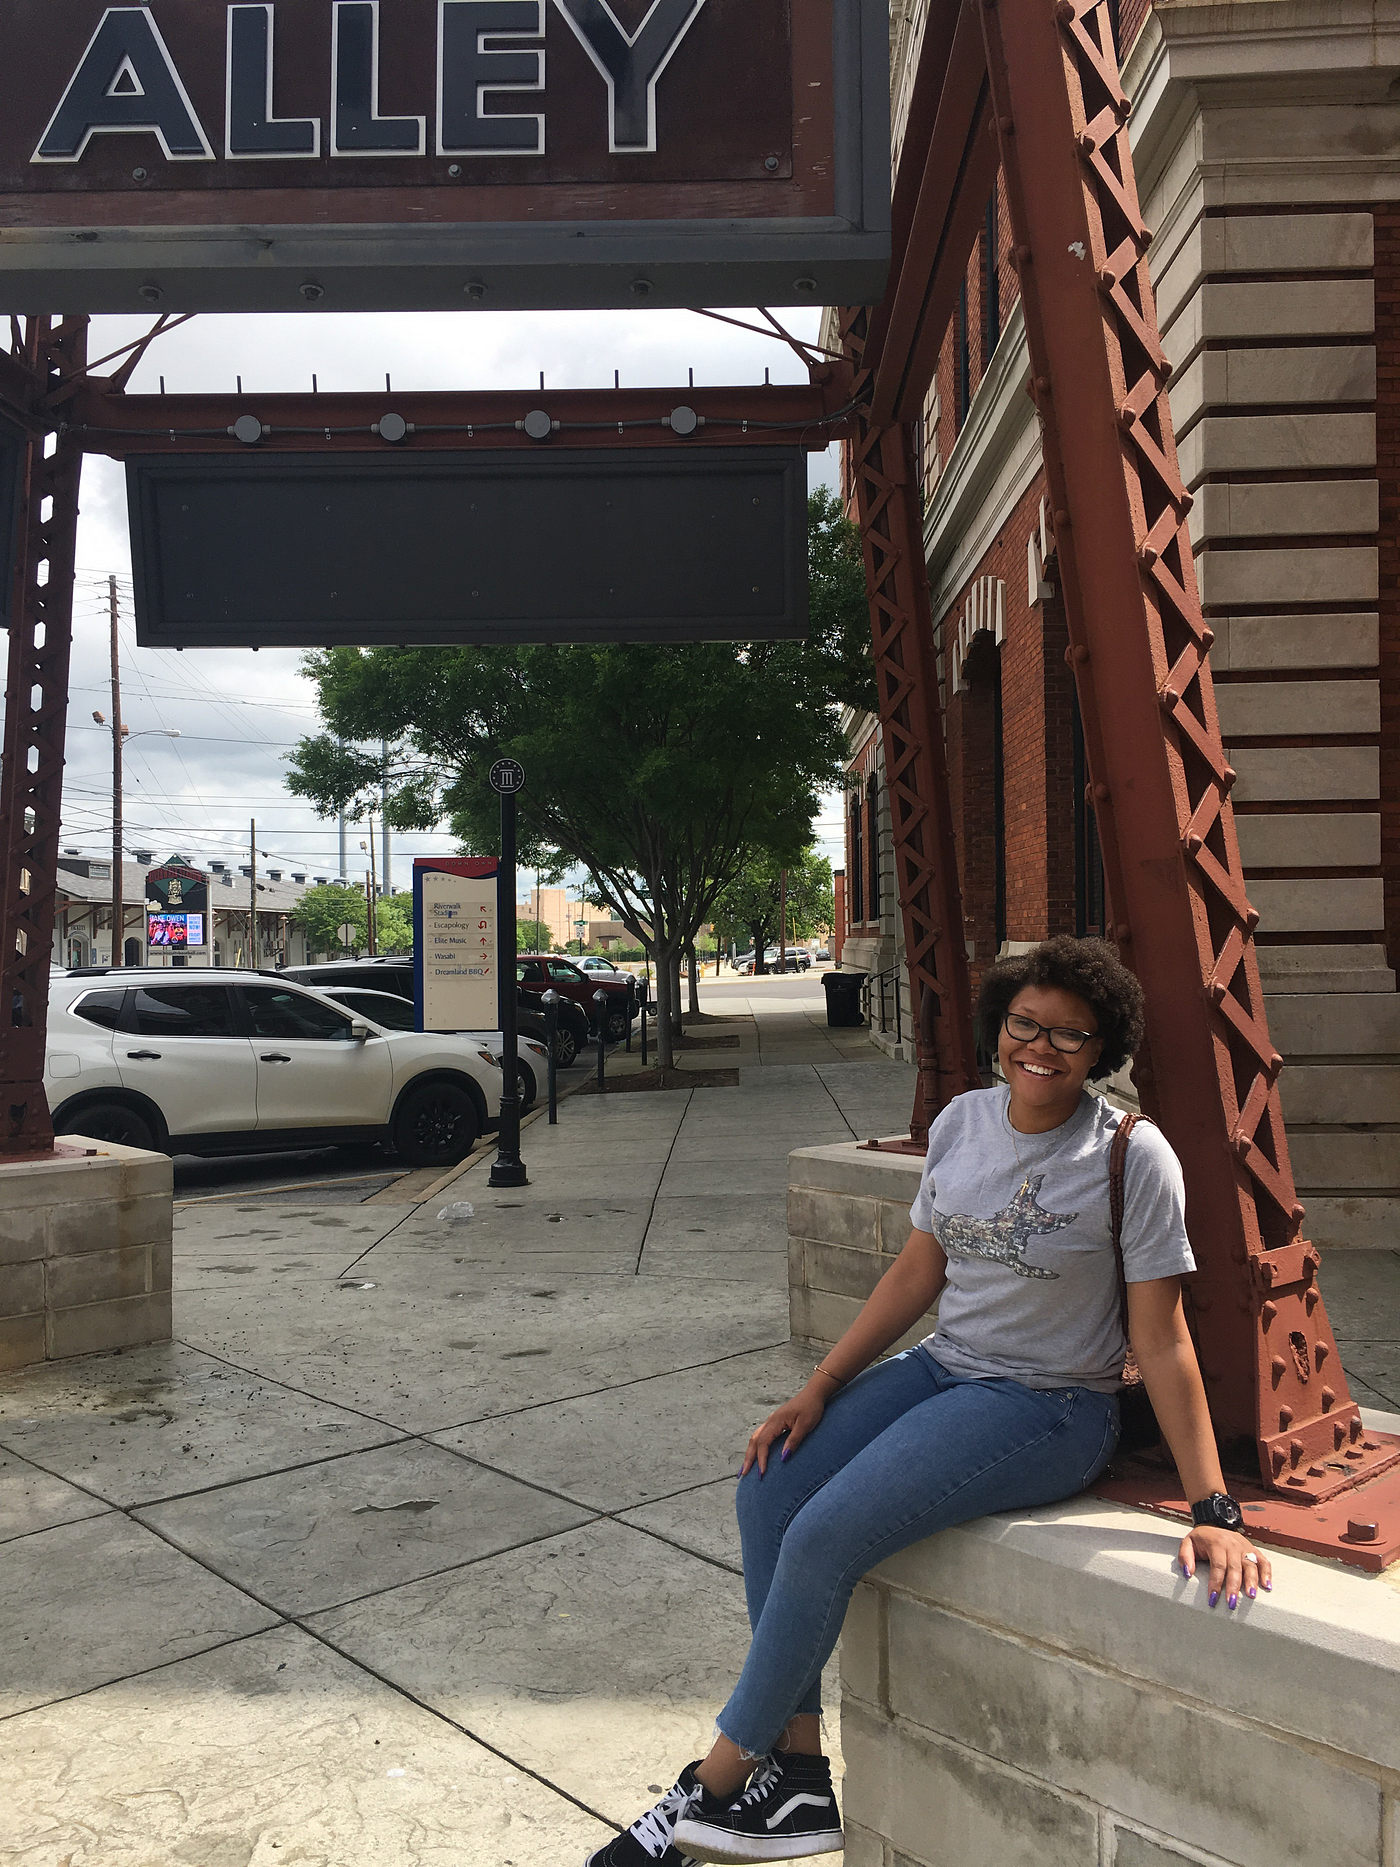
(600, 999)
(550, 1001)
(644, 1032)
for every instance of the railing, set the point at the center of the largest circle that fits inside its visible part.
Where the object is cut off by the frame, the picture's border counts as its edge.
(878, 988)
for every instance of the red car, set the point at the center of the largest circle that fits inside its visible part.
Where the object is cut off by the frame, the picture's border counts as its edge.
(539, 972)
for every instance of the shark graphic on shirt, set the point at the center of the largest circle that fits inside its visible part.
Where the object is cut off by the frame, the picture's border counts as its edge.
(1003, 1237)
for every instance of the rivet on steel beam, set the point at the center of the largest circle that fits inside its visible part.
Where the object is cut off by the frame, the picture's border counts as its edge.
(1267, 1312)
(1274, 1065)
(1193, 842)
(1147, 556)
(1065, 13)
(1062, 518)
(1086, 142)
(1005, 125)
(1228, 778)
(1242, 1145)
(1359, 1531)
(1278, 1367)
(1022, 254)
(1311, 1299)
(1217, 993)
(1339, 1434)
(1127, 416)
(1123, 108)
(1267, 1273)
(1122, 932)
(1169, 699)
(1042, 385)
(1329, 1399)
(1278, 1458)
(1107, 279)
(1207, 638)
(1355, 1428)
(1251, 918)
(1316, 1471)
(1101, 797)
(1320, 1353)
(1296, 1449)
(1285, 1418)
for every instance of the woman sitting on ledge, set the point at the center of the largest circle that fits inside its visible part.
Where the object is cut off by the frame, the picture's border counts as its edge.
(1012, 1402)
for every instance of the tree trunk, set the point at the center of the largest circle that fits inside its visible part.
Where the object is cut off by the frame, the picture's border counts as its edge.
(665, 1003)
(760, 963)
(677, 1029)
(694, 966)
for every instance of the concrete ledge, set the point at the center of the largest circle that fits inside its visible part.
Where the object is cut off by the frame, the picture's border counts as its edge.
(85, 1253)
(1027, 1687)
(848, 1218)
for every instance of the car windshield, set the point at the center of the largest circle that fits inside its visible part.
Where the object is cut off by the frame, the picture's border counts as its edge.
(395, 1014)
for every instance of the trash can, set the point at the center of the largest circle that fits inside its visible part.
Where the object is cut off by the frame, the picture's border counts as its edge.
(843, 997)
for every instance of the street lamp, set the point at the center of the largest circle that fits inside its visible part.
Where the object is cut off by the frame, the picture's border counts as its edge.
(120, 735)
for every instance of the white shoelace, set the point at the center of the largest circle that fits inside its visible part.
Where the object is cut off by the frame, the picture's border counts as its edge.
(657, 1828)
(768, 1773)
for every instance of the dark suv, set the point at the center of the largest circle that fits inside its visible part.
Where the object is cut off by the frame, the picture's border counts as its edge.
(396, 975)
(539, 972)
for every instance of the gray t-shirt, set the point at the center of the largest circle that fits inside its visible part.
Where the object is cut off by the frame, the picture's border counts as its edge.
(1032, 1290)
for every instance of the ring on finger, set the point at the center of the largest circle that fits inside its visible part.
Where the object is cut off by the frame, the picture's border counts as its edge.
(1251, 1557)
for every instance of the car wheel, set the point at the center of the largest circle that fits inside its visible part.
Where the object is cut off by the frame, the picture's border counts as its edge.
(619, 1024)
(565, 1047)
(435, 1126)
(111, 1121)
(526, 1088)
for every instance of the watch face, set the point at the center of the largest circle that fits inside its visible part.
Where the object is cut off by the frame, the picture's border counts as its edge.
(1220, 1510)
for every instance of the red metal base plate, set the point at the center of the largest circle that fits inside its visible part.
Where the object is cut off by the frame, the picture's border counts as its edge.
(61, 1150)
(1361, 1527)
(900, 1145)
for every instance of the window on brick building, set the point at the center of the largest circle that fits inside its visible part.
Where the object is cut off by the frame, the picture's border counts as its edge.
(1113, 27)
(1089, 892)
(991, 310)
(872, 807)
(964, 358)
(999, 807)
(855, 866)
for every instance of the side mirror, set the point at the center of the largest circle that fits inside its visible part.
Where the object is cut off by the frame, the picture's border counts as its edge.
(359, 1033)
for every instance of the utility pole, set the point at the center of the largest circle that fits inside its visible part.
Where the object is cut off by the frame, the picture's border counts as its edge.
(373, 882)
(384, 819)
(344, 866)
(118, 904)
(782, 930)
(253, 891)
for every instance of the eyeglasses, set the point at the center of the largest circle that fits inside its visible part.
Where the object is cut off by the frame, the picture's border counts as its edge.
(1025, 1030)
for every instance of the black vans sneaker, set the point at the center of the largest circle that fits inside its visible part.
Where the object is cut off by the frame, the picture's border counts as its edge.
(648, 1842)
(787, 1812)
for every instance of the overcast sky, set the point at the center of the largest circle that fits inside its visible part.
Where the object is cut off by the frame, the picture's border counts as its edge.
(239, 713)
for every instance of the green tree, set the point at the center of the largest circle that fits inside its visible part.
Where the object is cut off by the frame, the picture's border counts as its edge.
(533, 937)
(393, 924)
(751, 906)
(658, 769)
(322, 911)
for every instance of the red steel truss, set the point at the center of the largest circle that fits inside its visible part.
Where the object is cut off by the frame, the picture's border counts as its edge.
(1160, 781)
(36, 710)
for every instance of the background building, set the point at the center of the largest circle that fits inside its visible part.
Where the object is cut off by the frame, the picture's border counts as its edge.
(1263, 140)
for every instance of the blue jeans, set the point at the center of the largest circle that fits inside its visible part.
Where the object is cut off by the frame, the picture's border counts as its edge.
(906, 1449)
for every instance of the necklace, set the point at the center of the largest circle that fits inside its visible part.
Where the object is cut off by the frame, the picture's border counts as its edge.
(1011, 1130)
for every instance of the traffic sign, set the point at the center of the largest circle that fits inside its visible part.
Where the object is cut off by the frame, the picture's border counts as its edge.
(507, 777)
(345, 933)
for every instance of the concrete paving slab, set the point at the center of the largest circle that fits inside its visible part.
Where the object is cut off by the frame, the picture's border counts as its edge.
(767, 1269)
(350, 1527)
(271, 1750)
(262, 1227)
(722, 1222)
(157, 1606)
(699, 1179)
(604, 1223)
(423, 1364)
(631, 1444)
(517, 1259)
(701, 1521)
(220, 1270)
(31, 1499)
(598, 1659)
(1376, 1367)
(758, 1142)
(155, 1422)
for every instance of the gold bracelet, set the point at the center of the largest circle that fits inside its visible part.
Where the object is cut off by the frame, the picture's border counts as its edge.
(819, 1369)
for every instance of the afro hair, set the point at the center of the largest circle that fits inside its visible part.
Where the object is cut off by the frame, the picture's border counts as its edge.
(1088, 968)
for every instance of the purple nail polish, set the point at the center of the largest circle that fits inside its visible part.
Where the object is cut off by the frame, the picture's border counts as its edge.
(1268, 1588)
(1214, 1596)
(1252, 1593)
(783, 1459)
(1234, 1601)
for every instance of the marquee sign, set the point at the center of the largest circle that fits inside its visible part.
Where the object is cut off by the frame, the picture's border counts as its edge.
(457, 902)
(354, 154)
(177, 906)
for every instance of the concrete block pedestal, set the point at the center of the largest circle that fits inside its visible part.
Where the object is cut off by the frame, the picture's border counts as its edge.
(84, 1253)
(1045, 1689)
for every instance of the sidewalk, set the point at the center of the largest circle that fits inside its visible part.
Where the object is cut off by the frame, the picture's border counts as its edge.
(457, 1492)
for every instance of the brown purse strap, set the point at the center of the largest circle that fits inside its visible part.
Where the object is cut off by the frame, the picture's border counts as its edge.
(1117, 1177)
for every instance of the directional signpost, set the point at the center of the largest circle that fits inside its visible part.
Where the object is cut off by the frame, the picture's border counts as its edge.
(507, 777)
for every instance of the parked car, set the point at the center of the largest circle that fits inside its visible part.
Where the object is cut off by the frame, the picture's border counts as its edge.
(572, 1032)
(222, 1062)
(798, 960)
(392, 1013)
(598, 968)
(538, 972)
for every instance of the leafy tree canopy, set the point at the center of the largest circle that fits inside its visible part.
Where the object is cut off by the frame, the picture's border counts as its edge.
(751, 906)
(323, 910)
(393, 924)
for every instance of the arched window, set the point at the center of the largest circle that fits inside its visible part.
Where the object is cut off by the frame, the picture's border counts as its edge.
(872, 803)
(855, 868)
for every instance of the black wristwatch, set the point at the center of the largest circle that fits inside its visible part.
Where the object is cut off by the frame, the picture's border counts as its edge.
(1218, 1510)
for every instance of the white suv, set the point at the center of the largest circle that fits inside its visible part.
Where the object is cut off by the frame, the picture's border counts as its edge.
(209, 1062)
